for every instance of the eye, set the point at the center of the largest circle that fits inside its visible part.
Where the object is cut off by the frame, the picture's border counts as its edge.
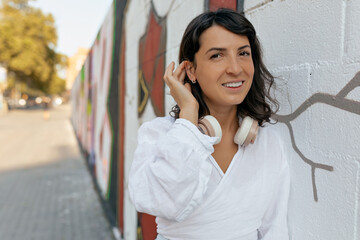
(244, 53)
(216, 55)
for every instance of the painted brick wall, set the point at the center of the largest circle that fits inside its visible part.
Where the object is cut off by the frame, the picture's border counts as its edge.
(314, 49)
(177, 15)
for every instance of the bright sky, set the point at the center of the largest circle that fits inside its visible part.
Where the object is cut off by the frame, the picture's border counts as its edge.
(77, 21)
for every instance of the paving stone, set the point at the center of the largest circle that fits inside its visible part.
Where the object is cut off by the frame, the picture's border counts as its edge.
(46, 191)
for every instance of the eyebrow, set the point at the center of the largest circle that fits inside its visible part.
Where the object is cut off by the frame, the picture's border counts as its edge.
(224, 49)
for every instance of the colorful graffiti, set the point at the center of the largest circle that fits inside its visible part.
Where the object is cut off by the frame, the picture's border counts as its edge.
(232, 4)
(152, 55)
(119, 92)
(99, 101)
(98, 97)
(152, 64)
(152, 50)
(101, 65)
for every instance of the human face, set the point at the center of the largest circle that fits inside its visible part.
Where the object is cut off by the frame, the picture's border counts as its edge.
(224, 67)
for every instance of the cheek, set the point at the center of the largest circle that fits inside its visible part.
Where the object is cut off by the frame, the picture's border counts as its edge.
(250, 69)
(208, 70)
(202, 76)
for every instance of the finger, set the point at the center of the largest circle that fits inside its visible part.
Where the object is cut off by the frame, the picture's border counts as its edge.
(182, 76)
(168, 72)
(179, 70)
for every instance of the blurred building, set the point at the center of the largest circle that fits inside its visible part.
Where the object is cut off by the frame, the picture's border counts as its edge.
(74, 66)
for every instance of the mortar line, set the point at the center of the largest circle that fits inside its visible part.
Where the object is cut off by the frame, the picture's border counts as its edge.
(343, 27)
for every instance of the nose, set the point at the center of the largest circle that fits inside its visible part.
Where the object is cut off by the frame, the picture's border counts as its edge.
(233, 65)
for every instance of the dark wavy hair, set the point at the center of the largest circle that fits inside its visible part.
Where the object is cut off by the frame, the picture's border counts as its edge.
(257, 103)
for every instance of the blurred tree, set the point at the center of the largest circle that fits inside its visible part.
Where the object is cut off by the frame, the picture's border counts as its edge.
(27, 47)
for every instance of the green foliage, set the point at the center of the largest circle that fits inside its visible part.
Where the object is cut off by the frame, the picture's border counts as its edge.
(27, 46)
(57, 86)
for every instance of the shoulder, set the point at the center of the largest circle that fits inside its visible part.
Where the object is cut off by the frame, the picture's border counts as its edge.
(270, 136)
(159, 122)
(272, 145)
(155, 127)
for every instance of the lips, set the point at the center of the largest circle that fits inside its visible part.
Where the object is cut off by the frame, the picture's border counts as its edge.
(233, 84)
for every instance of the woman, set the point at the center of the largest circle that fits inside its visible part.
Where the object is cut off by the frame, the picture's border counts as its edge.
(212, 187)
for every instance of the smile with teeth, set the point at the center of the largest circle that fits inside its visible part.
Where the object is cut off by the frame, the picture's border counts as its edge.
(233, 84)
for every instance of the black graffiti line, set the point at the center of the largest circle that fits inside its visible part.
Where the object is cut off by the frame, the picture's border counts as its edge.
(337, 101)
(355, 82)
(308, 161)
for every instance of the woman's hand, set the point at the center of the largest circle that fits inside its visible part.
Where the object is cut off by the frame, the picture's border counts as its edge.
(181, 92)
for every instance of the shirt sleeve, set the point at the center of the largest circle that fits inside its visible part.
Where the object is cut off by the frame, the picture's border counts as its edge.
(274, 223)
(170, 169)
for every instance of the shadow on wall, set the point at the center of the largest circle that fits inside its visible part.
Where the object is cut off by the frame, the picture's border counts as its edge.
(338, 101)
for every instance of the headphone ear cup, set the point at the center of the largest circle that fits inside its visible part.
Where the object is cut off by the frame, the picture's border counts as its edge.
(247, 131)
(211, 127)
(252, 134)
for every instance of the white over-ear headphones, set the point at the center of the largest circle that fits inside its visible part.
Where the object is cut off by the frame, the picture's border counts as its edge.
(245, 134)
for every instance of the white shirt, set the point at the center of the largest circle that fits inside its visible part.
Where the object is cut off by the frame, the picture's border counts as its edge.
(174, 177)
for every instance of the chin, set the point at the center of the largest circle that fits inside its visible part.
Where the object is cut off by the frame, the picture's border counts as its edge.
(237, 102)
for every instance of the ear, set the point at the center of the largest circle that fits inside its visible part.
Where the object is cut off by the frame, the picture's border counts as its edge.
(190, 71)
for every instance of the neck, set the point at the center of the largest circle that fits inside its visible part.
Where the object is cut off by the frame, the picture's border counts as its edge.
(227, 117)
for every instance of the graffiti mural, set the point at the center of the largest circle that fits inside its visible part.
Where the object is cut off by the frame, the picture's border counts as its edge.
(212, 5)
(152, 64)
(102, 52)
(122, 79)
(151, 87)
(119, 92)
(152, 56)
(97, 96)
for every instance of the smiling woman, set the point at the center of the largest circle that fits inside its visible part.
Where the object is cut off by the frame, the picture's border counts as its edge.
(224, 68)
(195, 171)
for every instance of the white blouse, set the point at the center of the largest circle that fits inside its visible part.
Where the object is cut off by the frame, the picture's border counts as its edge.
(175, 178)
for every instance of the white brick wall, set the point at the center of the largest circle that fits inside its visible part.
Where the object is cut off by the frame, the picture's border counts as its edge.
(313, 47)
(352, 31)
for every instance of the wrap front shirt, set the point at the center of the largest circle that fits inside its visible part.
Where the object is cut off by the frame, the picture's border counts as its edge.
(175, 178)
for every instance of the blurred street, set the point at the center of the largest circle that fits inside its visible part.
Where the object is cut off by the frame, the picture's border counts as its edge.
(46, 191)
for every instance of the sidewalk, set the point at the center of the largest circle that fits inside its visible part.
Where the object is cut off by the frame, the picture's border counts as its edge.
(46, 191)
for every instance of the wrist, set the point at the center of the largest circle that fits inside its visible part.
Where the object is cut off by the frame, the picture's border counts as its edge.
(190, 114)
